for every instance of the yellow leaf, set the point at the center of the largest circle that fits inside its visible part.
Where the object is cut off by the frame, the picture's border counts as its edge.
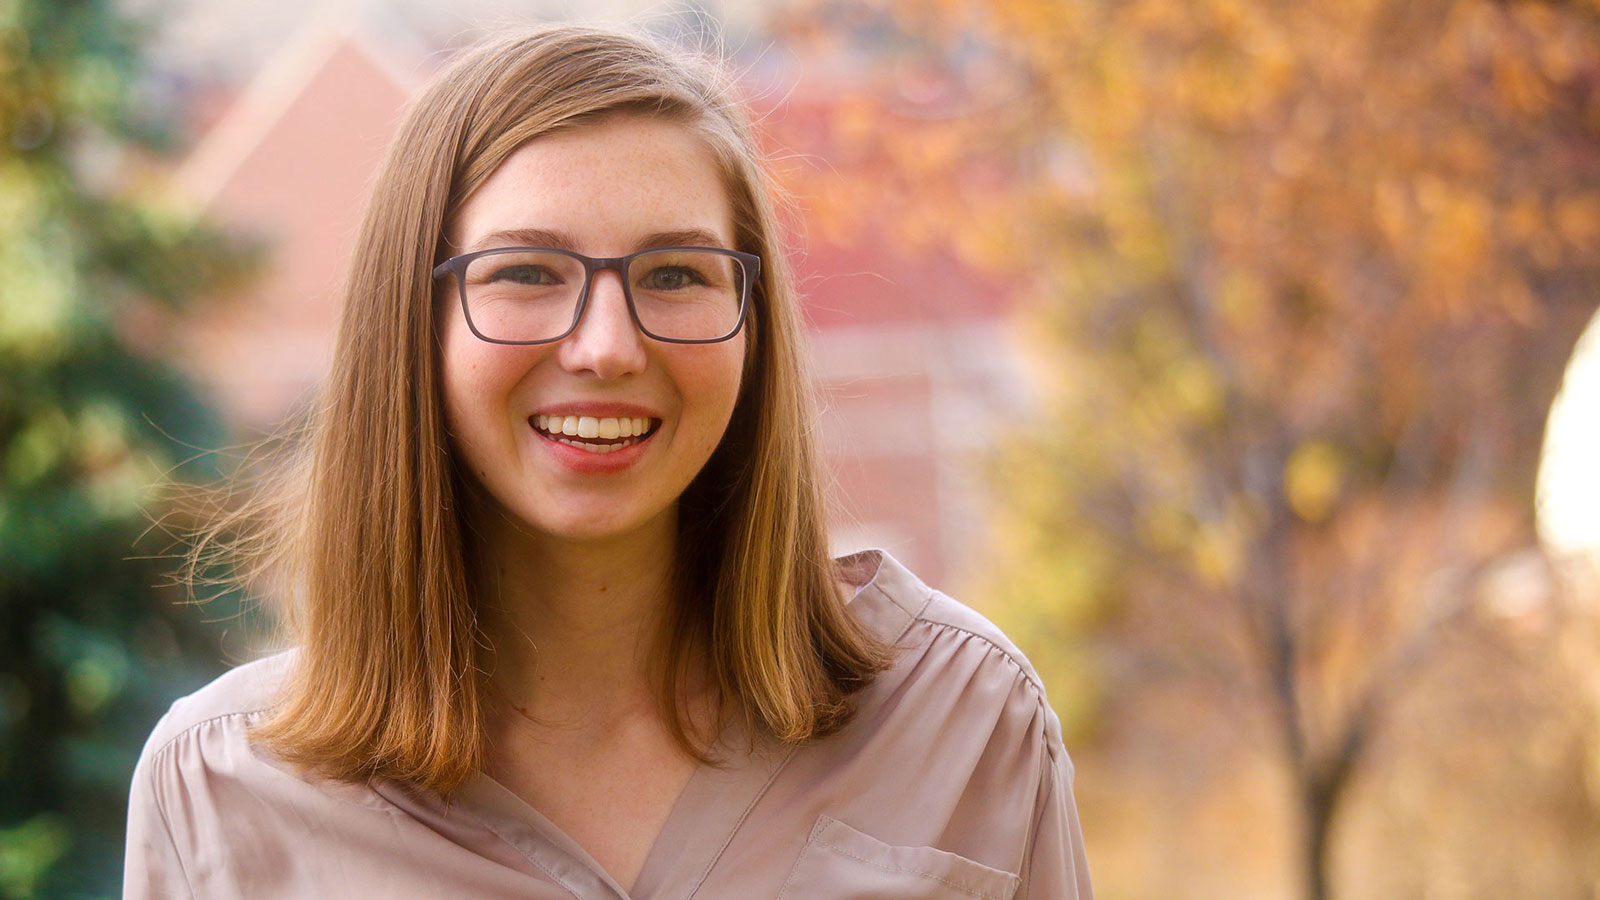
(1312, 478)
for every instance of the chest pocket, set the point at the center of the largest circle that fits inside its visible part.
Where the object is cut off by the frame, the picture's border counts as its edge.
(841, 863)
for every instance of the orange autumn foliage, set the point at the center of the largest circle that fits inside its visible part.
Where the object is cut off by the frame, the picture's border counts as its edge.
(1302, 283)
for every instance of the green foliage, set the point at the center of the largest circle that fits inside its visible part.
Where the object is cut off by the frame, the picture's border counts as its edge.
(92, 422)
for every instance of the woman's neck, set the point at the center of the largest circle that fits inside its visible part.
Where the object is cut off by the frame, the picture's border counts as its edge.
(573, 623)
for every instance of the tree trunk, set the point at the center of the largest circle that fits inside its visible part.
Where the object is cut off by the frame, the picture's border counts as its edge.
(1319, 795)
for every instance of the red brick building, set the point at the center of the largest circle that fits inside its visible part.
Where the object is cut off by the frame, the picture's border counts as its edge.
(911, 351)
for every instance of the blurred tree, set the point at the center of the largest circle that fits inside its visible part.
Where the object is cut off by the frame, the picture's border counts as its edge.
(90, 421)
(1308, 276)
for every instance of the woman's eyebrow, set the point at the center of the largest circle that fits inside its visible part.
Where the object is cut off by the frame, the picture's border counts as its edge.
(524, 237)
(689, 237)
(543, 237)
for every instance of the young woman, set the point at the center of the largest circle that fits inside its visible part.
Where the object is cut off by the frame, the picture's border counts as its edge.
(564, 622)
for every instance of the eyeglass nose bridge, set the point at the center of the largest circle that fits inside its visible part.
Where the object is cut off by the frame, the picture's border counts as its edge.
(592, 266)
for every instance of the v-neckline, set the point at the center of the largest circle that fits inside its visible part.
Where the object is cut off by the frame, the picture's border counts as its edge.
(707, 815)
(702, 822)
(715, 802)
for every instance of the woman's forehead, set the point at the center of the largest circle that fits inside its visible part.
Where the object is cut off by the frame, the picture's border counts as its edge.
(612, 182)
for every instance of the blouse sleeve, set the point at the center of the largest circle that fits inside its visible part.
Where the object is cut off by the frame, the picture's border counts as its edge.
(151, 866)
(1056, 866)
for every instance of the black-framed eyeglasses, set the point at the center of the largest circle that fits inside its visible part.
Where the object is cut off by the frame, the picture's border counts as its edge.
(536, 295)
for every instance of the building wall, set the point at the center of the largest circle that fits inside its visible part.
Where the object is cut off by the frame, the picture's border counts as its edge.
(910, 351)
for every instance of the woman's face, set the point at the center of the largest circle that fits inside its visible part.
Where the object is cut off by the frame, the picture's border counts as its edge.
(602, 190)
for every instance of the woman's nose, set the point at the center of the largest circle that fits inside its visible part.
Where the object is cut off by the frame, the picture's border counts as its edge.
(606, 342)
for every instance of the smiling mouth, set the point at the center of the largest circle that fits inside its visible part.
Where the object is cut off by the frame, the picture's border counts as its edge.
(595, 434)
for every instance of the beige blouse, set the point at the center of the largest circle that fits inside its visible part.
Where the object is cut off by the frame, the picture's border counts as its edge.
(951, 783)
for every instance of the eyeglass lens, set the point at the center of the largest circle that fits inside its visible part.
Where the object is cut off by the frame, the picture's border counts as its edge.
(532, 295)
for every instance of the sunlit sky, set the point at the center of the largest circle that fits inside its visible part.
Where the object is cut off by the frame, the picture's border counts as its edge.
(1569, 475)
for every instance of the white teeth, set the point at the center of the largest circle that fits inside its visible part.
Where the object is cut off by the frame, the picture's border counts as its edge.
(592, 426)
(588, 427)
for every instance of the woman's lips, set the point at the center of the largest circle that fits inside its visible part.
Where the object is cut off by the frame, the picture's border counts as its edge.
(593, 448)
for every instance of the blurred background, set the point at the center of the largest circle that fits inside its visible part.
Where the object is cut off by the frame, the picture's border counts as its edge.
(1231, 354)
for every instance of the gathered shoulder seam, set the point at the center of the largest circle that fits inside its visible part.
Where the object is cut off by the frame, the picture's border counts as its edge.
(193, 726)
(1030, 678)
(1004, 654)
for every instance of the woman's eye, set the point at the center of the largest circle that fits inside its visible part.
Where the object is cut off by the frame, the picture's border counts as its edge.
(524, 275)
(671, 278)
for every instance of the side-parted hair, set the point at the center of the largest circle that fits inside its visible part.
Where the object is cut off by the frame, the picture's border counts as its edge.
(368, 539)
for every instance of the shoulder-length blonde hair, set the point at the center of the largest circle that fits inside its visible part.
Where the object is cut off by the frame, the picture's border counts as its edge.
(371, 542)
